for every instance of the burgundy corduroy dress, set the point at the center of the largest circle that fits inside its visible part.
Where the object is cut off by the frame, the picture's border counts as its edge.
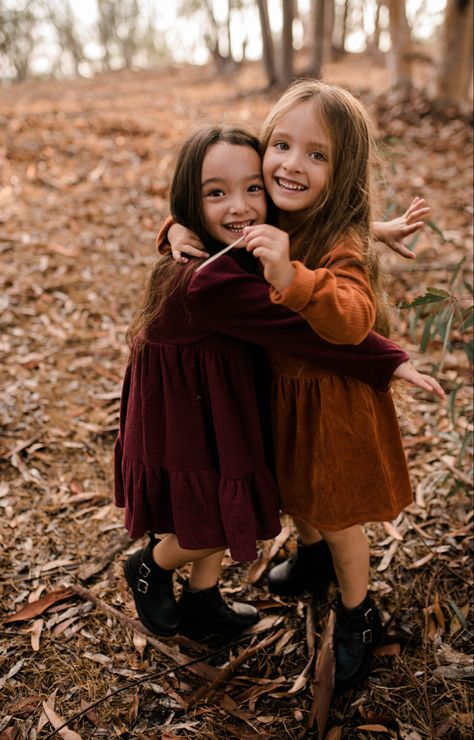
(190, 457)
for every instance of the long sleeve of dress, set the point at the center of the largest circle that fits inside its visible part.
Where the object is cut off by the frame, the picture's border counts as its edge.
(225, 298)
(162, 243)
(335, 299)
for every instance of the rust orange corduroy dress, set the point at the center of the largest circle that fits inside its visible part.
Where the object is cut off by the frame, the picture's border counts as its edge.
(338, 449)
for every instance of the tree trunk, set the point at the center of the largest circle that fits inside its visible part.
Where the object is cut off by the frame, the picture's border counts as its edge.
(287, 51)
(329, 23)
(455, 71)
(229, 35)
(400, 52)
(373, 46)
(317, 49)
(344, 26)
(267, 43)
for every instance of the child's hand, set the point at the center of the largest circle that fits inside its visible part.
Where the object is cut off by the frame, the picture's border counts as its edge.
(406, 371)
(394, 231)
(182, 240)
(272, 247)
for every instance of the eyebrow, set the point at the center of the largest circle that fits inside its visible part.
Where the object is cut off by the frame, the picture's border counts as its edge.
(285, 135)
(218, 180)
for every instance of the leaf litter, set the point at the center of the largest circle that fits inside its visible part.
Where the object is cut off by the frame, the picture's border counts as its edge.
(83, 189)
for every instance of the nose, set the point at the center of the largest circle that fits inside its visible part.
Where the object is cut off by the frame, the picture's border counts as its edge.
(292, 162)
(238, 204)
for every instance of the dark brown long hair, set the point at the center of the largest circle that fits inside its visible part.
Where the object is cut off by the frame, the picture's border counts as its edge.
(344, 208)
(186, 207)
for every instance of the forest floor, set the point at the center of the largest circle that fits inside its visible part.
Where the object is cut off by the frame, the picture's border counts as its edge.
(84, 177)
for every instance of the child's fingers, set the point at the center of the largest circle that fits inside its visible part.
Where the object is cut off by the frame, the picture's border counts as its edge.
(178, 257)
(411, 228)
(402, 250)
(417, 214)
(432, 385)
(193, 251)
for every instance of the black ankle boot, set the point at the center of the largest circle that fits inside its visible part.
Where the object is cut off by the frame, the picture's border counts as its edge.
(152, 589)
(204, 613)
(356, 633)
(309, 569)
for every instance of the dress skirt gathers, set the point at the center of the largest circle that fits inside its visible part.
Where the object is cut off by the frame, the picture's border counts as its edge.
(338, 450)
(196, 469)
(193, 454)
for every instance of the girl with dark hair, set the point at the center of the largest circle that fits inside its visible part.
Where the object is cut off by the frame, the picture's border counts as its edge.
(191, 454)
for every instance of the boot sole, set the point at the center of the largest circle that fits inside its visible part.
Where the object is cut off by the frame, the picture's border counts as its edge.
(143, 619)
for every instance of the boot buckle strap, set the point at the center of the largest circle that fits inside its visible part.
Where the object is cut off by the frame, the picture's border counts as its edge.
(142, 586)
(144, 570)
(367, 637)
(368, 615)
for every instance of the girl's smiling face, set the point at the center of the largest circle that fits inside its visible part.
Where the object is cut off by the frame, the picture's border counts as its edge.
(296, 161)
(233, 194)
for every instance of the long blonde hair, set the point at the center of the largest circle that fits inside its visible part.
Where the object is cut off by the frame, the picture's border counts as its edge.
(344, 208)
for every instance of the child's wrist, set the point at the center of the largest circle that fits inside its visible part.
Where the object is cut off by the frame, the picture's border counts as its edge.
(284, 278)
(378, 229)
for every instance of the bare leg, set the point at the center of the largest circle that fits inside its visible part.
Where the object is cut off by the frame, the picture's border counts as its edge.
(309, 534)
(206, 571)
(168, 554)
(350, 554)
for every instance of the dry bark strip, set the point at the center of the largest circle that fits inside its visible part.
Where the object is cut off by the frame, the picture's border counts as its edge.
(226, 673)
(323, 684)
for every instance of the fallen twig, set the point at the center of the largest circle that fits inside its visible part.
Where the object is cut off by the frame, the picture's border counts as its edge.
(200, 669)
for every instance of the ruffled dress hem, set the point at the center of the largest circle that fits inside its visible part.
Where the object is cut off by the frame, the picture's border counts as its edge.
(202, 508)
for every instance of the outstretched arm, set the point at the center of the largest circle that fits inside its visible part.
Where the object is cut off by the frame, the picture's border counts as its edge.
(406, 371)
(393, 232)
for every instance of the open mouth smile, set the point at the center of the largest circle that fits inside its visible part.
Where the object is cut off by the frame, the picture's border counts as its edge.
(290, 185)
(237, 227)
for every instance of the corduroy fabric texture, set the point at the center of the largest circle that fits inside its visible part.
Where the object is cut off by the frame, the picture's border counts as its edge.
(191, 455)
(338, 449)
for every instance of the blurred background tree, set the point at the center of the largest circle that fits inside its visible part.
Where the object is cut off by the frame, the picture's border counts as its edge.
(292, 38)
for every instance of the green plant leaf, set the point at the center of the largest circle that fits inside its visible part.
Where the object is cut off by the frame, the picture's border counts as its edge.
(469, 350)
(447, 332)
(439, 291)
(467, 442)
(411, 246)
(451, 405)
(469, 320)
(456, 271)
(436, 229)
(425, 337)
(422, 300)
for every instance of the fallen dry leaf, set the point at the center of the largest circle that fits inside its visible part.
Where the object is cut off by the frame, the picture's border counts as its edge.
(57, 721)
(258, 568)
(335, 733)
(36, 629)
(375, 728)
(38, 607)
(12, 672)
(323, 684)
(392, 649)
